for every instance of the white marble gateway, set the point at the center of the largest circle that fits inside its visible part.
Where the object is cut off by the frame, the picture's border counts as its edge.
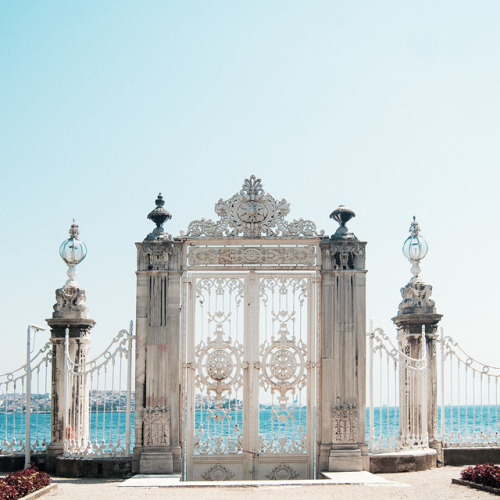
(250, 345)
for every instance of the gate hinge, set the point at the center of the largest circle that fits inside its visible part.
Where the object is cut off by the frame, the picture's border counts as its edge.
(246, 364)
(254, 453)
(189, 365)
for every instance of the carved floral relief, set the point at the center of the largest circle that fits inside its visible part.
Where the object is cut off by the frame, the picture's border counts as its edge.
(156, 427)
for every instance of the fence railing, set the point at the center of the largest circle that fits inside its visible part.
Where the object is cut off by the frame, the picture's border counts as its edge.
(395, 418)
(98, 401)
(469, 398)
(13, 389)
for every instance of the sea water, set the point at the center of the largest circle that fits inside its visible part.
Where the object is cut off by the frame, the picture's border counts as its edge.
(113, 424)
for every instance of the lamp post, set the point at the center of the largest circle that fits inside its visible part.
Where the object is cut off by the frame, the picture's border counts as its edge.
(416, 316)
(70, 315)
(27, 421)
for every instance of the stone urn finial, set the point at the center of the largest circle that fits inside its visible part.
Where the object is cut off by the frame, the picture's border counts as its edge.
(343, 215)
(159, 215)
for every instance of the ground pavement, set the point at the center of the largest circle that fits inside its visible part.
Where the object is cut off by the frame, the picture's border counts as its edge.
(433, 484)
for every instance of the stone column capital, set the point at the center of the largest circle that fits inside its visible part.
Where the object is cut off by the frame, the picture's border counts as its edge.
(411, 324)
(342, 255)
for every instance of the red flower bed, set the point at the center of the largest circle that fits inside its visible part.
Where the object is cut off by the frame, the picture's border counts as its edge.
(487, 475)
(19, 484)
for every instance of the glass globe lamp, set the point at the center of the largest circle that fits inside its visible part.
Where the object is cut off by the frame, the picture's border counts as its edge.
(415, 248)
(72, 251)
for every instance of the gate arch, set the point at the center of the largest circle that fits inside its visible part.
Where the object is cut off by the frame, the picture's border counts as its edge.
(239, 320)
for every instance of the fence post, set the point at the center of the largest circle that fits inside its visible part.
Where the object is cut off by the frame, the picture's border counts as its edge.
(372, 415)
(425, 376)
(442, 389)
(129, 388)
(65, 391)
(27, 418)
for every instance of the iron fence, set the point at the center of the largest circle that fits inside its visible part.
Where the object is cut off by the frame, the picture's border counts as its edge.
(397, 397)
(469, 397)
(98, 401)
(14, 386)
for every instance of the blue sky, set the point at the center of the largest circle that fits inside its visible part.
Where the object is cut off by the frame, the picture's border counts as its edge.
(391, 108)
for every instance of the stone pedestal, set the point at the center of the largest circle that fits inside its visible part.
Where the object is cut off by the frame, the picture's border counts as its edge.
(343, 359)
(416, 312)
(70, 313)
(345, 459)
(156, 461)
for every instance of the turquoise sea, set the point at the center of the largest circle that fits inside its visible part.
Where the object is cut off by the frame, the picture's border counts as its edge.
(457, 419)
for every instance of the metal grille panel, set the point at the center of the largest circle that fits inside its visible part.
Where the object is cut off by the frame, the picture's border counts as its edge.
(250, 378)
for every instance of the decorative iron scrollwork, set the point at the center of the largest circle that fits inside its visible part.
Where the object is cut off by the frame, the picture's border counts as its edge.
(252, 213)
(283, 366)
(218, 372)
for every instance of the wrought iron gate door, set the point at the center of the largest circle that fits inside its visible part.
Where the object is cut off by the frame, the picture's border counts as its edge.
(250, 376)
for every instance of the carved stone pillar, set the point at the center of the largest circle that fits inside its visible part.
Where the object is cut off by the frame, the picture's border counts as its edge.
(70, 313)
(343, 358)
(417, 311)
(157, 436)
(418, 412)
(78, 399)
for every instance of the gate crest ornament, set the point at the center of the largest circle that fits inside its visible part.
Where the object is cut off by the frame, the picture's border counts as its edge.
(252, 213)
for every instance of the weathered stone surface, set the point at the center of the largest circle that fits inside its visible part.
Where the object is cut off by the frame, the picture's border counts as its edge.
(471, 455)
(12, 463)
(156, 462)
(93, 467)
(345, 460)
(385, 463)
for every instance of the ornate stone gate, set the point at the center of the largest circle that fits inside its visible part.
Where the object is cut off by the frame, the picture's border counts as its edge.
(250, 345)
